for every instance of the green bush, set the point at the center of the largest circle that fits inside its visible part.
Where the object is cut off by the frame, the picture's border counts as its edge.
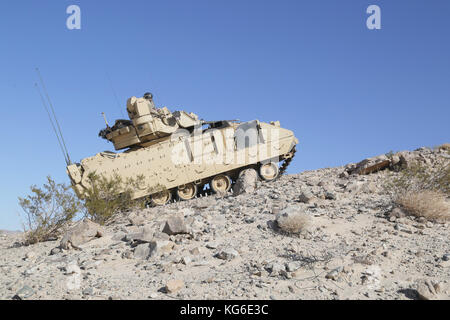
(108, 197)
(47, 210)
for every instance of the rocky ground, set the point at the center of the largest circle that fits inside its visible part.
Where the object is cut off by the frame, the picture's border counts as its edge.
(354, 246)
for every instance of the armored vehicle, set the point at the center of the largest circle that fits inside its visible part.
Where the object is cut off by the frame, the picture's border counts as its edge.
(178, 155)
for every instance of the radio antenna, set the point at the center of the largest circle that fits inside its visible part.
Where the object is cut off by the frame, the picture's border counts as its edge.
(54, 116)
(115, 95)
(51, 121)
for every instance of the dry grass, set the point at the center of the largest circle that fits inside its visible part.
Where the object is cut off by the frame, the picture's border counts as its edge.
(431, 205)
(294, 222)
(445, 146)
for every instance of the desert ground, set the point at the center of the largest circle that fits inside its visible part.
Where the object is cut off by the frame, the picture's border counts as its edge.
(354, 243)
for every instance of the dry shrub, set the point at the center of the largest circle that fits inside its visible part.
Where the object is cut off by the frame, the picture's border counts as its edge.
(108, 197)
(48, 210)
(445, 146)
(431, 205)
(294, 222)
(422, 190)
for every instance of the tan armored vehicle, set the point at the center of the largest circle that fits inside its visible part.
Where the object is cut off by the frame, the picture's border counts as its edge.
(178, 155)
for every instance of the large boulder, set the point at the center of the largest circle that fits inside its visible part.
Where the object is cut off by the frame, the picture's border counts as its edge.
(370, 165)
(175, 225)
(246, 183)
(84, 231)
(428, 290)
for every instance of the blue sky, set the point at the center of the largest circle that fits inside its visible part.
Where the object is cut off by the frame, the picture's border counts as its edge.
(347, 92)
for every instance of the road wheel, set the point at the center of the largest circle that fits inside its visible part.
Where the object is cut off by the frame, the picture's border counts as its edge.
(221, 183)
(161, 198)
(269, 171)
(187, 192)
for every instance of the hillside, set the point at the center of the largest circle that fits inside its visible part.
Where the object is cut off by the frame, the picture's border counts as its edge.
(354, 244)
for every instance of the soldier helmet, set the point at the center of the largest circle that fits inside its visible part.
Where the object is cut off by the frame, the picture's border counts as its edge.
(148, 96)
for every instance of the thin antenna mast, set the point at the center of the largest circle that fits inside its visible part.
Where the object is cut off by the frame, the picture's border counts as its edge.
(51, 121)
(54, 116)
(115, 95)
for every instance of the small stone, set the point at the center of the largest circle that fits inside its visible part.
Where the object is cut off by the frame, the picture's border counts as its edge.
(306, 197)
(446, 257)
(333, 274)
(276, 269)
(55, 251)
(142, 251)
(211, 245)
(330, 196)
(186, 260)
(135, 219)
(72, 268)
(227, 254)
(173, 286)
(292, 266)
(159, 247)
(30, 255)
(88, 292)
(397, 213)
(24, 293)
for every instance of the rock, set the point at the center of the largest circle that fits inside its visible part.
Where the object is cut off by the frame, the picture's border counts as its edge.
(128, 254)
(397, 213)
(186, 260)
(343, 175)
(334, 274)
(84, 231)
(292, 266)
(30, 256)
(353, 186)
(427, 290)
(145, 235)
(330, 196)
(55, 251)
(370, 165)
(142, 251)
(212, 245)
(403, 228)
(88, 291)
(72, 268)
(24, 293)
(173, 286)
(246, 183)
(198, 250)
(276, 269)
(227, 254)
(135, 219)
(159, 247)
(446, 257)
(306, 197)
(175, 225)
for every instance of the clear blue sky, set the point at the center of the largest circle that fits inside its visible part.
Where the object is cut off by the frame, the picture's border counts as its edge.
(347, 92)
